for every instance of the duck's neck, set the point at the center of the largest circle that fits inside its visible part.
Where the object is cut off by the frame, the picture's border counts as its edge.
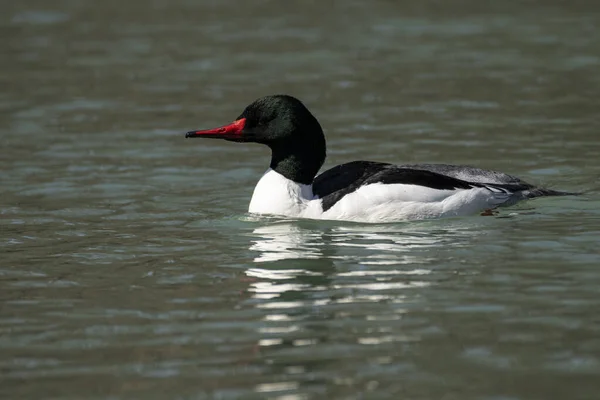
(301, 160)
(286, 187)
(275, 194)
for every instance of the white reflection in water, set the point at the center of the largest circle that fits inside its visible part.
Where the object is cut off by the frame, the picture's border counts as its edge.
(278, 274)
(284, 241)
(305, 271)
(366, 244)
(276, 387)
(310, 254)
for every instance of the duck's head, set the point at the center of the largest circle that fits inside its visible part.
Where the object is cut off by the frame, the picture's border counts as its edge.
(284, 124)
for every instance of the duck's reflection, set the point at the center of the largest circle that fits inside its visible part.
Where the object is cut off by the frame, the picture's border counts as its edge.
(364, 244)
(318, 285)
(291, 263)
(282, 241)
(297, 262)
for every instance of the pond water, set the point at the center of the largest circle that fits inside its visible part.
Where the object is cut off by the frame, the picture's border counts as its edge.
(130, 269)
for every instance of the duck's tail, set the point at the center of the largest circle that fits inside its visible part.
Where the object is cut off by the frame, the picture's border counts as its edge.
(521, 192)
(541, 192)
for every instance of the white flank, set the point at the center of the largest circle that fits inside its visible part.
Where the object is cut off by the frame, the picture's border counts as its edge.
(397, 202)
(274, 194)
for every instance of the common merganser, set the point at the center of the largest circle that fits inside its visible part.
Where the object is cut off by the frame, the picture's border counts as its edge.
(363, 191)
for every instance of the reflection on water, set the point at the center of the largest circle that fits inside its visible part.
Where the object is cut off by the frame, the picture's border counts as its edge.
(301, 279)
(385, 244)
(286, 240)
(296, 261)
(310, 280)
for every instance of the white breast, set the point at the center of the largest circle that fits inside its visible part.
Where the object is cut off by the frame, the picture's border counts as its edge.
(275, 194)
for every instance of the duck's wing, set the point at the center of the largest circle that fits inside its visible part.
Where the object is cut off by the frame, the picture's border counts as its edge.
(337, 182)
(468, 173)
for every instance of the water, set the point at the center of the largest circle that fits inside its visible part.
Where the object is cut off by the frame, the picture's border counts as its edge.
(129, 268)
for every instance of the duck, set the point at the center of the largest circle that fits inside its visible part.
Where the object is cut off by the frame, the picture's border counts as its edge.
(359, 191)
